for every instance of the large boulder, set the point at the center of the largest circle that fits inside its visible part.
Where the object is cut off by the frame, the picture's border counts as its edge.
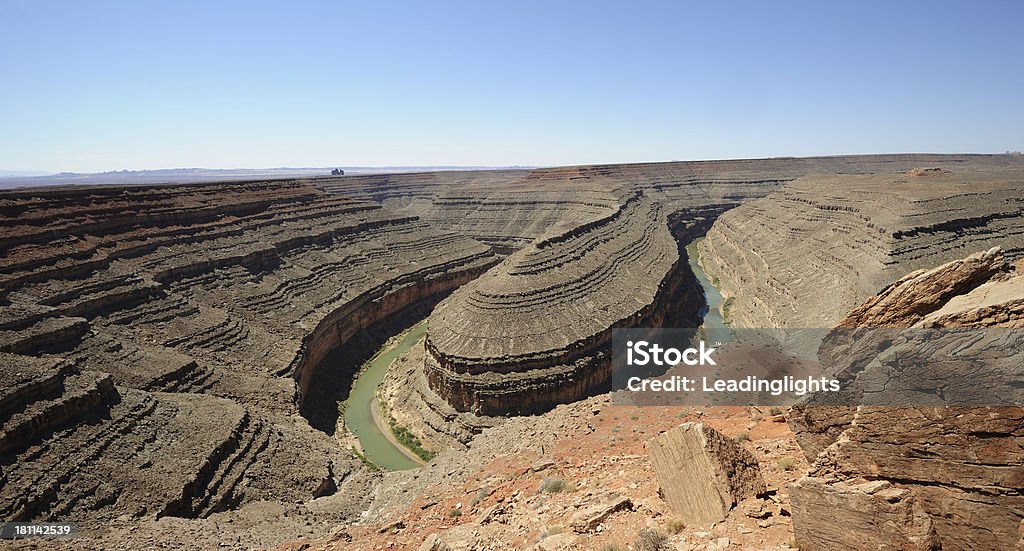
(702, 473)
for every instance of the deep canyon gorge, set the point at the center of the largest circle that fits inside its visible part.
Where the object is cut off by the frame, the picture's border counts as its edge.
(179, 356)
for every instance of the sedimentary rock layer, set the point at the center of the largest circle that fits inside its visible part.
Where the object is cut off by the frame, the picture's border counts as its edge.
(75, 447)
(510, 208)
(178, 329)
(921, 476)
(536, 331)
(148, 296)
(702, 473)
(810, 251)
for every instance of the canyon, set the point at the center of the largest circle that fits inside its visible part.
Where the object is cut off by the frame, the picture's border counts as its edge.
(178, 355)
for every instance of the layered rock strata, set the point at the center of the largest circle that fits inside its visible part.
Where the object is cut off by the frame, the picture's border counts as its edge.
(536, 331)
(920, 476)
(817, 247)
(75, 447)
(186, 323)
(702, 473)
(510, 208)
(191, 320)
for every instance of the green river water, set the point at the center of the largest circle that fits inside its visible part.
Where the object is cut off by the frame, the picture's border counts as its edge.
(378, 448)
(714, 321)
(358, 416)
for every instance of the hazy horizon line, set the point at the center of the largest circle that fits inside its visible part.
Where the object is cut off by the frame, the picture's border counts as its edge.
(31, 173)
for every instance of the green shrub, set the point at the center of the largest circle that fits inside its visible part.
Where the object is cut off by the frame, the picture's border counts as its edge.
(726, 306)
(406, 438)
(370, 465)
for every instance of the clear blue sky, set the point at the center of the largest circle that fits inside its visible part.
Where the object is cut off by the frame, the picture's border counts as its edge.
(91, 86)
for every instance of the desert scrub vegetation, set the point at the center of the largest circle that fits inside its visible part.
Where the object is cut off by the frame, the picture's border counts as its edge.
(650, 539)
(555, 485)
(725, 309)
(743, 437)
(787, 463)
(406, 438)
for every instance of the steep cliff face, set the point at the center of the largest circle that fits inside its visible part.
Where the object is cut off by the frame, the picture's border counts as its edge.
(807, 253)
(536, 331)
(920, 476)
(190, 320)
(513, 208)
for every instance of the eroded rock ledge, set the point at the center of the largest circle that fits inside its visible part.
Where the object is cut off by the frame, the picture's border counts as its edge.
(821, 245)
(536, 331)
(167, 335)
(917, 477)
(165, 332)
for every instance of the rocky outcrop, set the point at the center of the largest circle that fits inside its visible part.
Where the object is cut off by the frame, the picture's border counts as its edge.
(536, 332)
(702, 473)
(923, 293)
(821, 245)
(189, 321)
(75, 448)
(860, 515)
(920, 476)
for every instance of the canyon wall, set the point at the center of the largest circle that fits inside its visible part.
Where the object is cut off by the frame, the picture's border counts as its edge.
(182, 324)
(178, 329)
(536, 331)
(508, 209)
(809, 252)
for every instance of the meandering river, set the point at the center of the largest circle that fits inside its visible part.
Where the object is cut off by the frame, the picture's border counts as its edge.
(380, 448)
(359, 417)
